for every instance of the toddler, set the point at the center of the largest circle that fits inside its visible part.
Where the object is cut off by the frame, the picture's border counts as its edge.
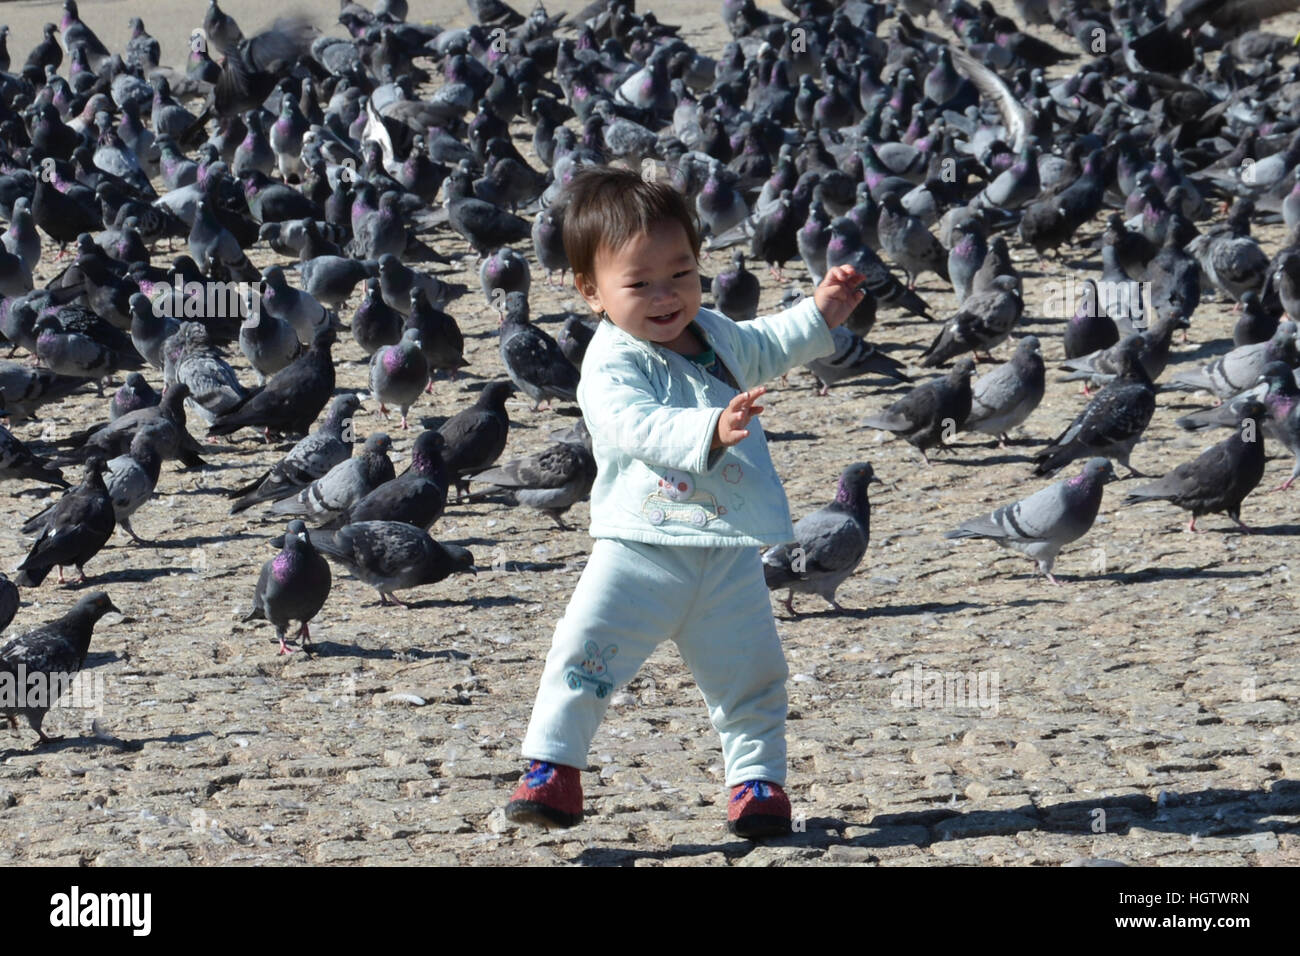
(685, 497)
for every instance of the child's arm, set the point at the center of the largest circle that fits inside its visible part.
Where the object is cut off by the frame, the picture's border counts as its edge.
(773, 344)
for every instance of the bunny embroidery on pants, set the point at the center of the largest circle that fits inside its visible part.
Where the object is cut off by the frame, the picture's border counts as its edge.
(594, 670)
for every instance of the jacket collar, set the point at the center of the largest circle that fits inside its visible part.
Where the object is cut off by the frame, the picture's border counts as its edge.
(706, 319)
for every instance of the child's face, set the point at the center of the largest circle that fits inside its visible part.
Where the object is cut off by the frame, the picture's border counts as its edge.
(650, 288)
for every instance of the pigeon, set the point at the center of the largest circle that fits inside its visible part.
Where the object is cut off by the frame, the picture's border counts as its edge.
(1238, 370)
(909, 243)
(291, 398)
(398, 374)
(214, 387)
(215, 248)
(1090, 329)
(1221, 477)
(575, 335)
(533, 359)
(845, 247)
(330, 279)
(828, 545)
(504, 271)
(375, 323)
(8, 590)
(552, 480)
(476, 436)
(114, 438)
(310, 459)
(131, 478)
(483, 225)
(441, 340)
(392, 555)
(984, 321)
(396, 282)
(1282, 399)
(57, 650)
(1042, 524)
(736, 290)
(1153, 345)
(932, 413)
(73, 531)
(1257, 324)
(965, 257)
(852, 358)
(293, 586)
(18, 462)
(1229, 257)
(344, 485)
(1112, 422)
(298, 308)
(269, 343)
(417, 496)
(1003, 398)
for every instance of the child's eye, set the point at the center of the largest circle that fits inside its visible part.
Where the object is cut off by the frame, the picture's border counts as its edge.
(682, 274)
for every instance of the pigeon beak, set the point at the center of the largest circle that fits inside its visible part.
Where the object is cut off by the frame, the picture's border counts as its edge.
(875, 480)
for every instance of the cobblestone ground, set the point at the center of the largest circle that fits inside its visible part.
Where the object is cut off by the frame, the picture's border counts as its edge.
(1143, 712)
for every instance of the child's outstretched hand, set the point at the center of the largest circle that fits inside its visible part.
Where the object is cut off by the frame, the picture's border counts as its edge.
(731, 425)
(839, 294)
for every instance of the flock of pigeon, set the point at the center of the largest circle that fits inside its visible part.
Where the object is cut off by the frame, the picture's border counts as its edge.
(842, 132)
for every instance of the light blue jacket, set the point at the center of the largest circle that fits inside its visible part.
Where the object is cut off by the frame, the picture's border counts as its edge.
(653, 413)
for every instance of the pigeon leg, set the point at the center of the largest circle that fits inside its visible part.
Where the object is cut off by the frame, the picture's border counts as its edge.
(559, 521)
(126, 523)
(1191, 526)
(428, 389)
(46, 738)
(789, 603)
(304, 638)
(284, 648)
(405, 427)
(62, 580)
(81, 576)
(398, 601)
(13, 721)
(1003, 439)
(1285, 486)
(1052, 579)
(1242, 525)
(383, 410)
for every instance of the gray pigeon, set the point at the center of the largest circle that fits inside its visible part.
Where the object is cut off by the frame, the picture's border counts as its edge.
(131, 478)
(1221, 477)
(1002, 399)
(736, 290)
(533, 359)
(57, 649)
(1042, 524)
(828, 545)
(18, 462)
(214, 386)
(293, 586)
(931, 414)
(150, 328)
(909, 243)
(397, 280)
(330, 279)
(1238, 370)
(309, 459)
(552, 480)
(216, 250)
(298, 308)
(334, 492)
(441, 339)
(966, 256)
(503, 272)
(392, 555)
(375, 323)
(853, 357)
(398, 374)
(269, 343)
(984, 321)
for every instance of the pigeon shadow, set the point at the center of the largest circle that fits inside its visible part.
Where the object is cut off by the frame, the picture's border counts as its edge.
(195, 541)
(101, 740)
(791, 436)
(137, 575)
(1202, 813)
(1288, 530)
(329, 648)
(904, 610)
(984, 462)
(1177, 574)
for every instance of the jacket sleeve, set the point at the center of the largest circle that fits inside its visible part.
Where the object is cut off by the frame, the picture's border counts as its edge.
(773, 344)
(622, 414)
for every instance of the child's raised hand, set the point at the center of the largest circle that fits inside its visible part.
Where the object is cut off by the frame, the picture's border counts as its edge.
(839, 294)
(731, 425)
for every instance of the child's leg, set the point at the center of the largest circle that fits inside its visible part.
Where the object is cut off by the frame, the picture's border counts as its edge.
(731, 646)
(626, 602)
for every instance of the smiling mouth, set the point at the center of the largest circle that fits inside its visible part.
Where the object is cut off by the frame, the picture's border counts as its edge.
(666, 317)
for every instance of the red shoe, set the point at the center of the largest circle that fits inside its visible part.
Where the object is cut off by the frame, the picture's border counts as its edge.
(757, 809)
(549, 795)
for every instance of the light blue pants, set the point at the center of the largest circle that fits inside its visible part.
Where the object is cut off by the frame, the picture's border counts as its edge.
(713, 603)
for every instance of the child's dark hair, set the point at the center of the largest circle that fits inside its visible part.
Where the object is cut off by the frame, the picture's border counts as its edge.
(609, 206)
